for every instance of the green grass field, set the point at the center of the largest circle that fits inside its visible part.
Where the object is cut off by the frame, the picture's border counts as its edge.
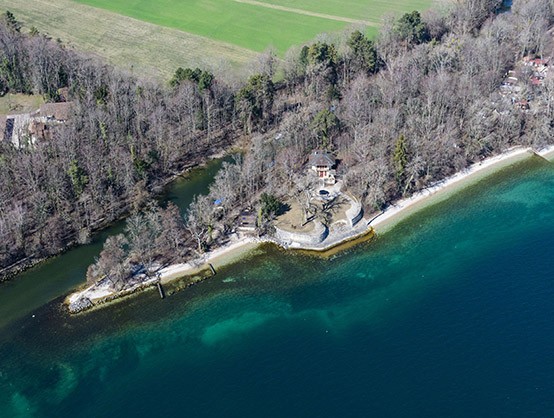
(257, 25)
(144, 48)
(248, 26)
(369, 10)
(154, 38)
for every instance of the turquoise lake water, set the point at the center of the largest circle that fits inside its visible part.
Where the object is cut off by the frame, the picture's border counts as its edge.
(448, 315)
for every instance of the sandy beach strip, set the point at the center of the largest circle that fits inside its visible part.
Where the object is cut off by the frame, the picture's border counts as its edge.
(447, 187)
(218, 258)
(227, 254)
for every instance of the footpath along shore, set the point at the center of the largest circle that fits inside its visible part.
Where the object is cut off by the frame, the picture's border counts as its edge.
(240, 247)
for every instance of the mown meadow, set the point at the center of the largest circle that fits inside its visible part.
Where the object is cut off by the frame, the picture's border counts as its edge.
(257, 25)
(155, 38)
(369, 10)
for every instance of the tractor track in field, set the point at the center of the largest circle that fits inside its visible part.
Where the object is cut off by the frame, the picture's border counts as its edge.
(307, 13)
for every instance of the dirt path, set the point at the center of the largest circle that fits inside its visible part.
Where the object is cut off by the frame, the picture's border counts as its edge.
(307, 13)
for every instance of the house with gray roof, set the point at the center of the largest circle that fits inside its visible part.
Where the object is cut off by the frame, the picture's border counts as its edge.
(323, 164)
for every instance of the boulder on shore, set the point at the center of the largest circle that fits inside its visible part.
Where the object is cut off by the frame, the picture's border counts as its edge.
(80, 305)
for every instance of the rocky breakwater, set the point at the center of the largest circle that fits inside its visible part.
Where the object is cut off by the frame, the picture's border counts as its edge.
(103, 291)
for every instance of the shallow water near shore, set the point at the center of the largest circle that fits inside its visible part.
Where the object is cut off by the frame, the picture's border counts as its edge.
(449, 314)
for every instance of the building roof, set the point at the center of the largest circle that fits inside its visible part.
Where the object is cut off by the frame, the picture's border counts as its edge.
(8, 129)
(39, 130)
(322, 158)
(58, 111)
(529, 60)
(539, 61)
(247, 219)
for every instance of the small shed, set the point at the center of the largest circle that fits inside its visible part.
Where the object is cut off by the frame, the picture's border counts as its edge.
(247, 221)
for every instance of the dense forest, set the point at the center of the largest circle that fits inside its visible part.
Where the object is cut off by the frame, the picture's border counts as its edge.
(125, 138)
(400, 112)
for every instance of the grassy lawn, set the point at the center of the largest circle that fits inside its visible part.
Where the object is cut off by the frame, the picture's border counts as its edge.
(253, 26)
(153, 38)
(242, 24)
(19, 103)
(141, 47)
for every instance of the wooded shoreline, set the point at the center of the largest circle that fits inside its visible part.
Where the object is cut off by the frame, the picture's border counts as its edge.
(431, 95)
(10, 272)
(239, 248)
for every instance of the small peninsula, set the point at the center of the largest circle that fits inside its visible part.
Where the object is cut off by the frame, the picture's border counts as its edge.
(318, 238)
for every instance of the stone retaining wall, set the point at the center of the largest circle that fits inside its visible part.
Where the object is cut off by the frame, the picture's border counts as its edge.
(292, 239)
(354, 213)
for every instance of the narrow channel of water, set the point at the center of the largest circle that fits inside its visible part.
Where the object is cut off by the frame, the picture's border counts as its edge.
(57, 276)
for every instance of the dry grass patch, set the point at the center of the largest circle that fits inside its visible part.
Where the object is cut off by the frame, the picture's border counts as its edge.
(292, 219)
(11, 104)
(141, 47)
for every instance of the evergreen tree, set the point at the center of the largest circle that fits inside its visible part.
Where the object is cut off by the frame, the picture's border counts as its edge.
(255, 101)
(270, 205)
(365, 53)
(324, 124)
(78, 177)
(400, 158)
(411, 29)
(203, 79)
(11, 21)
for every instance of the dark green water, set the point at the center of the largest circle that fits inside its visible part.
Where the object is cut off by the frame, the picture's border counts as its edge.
(449, 315)
(59, 275)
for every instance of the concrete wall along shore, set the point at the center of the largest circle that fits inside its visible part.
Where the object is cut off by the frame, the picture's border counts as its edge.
(288, 239)
(354, 213)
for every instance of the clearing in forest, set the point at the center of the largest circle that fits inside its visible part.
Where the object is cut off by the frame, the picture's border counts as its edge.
(12, 104)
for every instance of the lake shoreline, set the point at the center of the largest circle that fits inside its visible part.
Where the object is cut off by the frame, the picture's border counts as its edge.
(239, 247)
(465, 275)
(443, 189)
